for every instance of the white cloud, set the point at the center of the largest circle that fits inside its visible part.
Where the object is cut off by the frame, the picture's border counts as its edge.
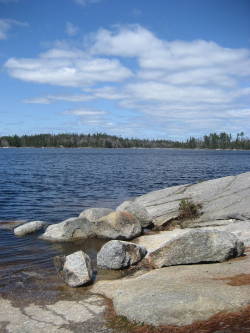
(134, 41)
(174, 84)
(67, 70)
(85, 112)
(156, 91)
(131, 41)
(109, 93)
(86, 2)
(58, 98)
(71, 29)
(7, 24)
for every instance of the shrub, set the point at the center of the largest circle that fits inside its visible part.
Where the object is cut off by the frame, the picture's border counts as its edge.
(189, 210)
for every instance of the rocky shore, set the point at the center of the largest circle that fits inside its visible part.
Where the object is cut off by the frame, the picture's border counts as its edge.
(182, 263)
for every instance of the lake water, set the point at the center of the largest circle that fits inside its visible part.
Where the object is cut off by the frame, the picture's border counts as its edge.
(55, 184)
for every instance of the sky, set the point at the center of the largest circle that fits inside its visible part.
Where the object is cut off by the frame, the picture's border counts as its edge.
(153, 69)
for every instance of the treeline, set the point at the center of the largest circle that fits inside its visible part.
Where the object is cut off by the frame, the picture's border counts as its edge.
(102, 140)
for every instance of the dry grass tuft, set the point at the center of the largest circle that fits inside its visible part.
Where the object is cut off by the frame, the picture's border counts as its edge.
(189, 210)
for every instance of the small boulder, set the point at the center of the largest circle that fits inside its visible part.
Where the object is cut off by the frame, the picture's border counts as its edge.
(197, 246)
(29, 227)
(137, 210)
(69, 230)
(75, 269)
(93, 214)
(118, 254)
(118, 225)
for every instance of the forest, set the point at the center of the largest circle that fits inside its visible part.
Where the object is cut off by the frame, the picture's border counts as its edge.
(101, 140)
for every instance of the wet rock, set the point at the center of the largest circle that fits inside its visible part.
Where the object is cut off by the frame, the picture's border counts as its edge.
(69, 230)
(93, 214)
(118, 254)
(118, 225)
(137, 210)
(10, 225)
(75, 269)
(196, 246)
(29, 227)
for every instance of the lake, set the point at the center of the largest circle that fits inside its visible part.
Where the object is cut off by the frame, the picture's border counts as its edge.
(55, 184)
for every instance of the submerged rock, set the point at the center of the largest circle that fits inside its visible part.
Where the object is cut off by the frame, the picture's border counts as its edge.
(29, 227)
(118, 254)
(196, 246)
(69, 230)
(75, 269)
(137, 210)
(93, 214)
(118, 225)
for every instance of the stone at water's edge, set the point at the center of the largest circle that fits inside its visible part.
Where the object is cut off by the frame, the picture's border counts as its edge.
(69, 230)
(75, 269)
(29, 227)
(196, 246)
(137, 210)
(118, 225)
(222, 199)
(93, 214)
(119, 254)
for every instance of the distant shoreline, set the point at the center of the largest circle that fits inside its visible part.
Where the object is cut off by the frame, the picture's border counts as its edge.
(129, 148)
(223, 141)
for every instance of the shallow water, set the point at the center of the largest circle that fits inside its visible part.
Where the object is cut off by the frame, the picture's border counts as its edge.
(55, 184)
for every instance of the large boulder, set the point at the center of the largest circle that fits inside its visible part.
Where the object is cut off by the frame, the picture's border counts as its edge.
(118, 225)
(137, 210)
(75, 269)
(237, 227)
(196, 246)
(29, 227)
(93, 214)
(118, 254)
(69, 230)
(222, 199)
(180, 295)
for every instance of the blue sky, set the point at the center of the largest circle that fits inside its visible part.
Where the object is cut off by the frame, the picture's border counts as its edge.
(135, 68)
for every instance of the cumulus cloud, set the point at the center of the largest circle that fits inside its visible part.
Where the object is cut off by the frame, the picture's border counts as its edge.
(169, 82)
(65, 69)
(7, 24)
(134, 41)
(71, 29)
